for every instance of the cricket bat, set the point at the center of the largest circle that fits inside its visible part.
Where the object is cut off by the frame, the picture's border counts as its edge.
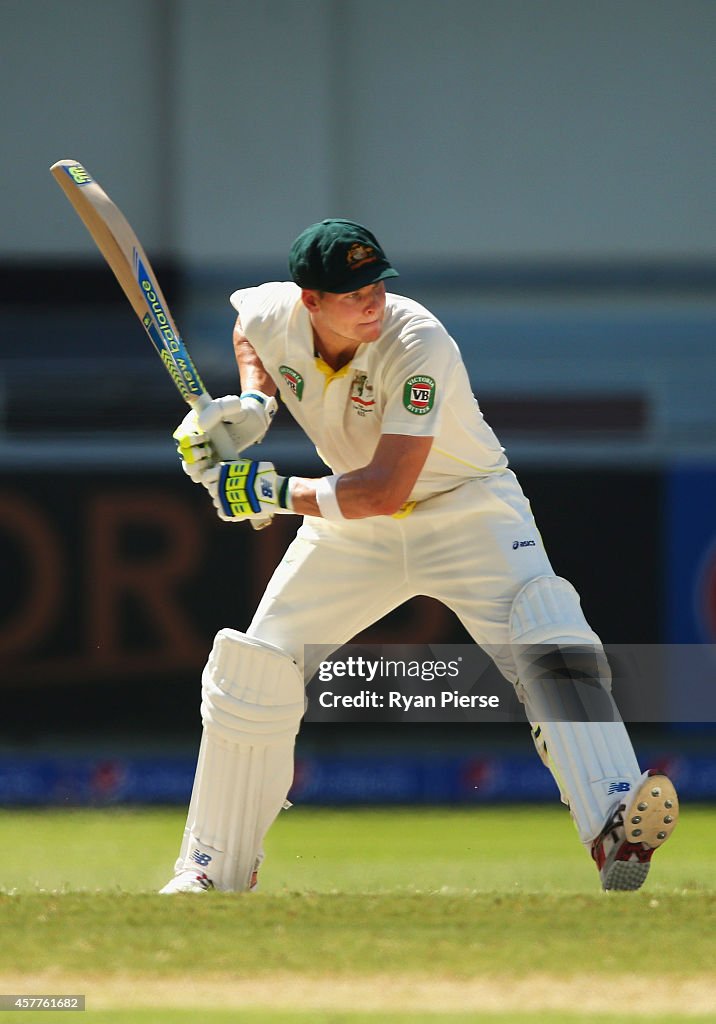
(119, 245)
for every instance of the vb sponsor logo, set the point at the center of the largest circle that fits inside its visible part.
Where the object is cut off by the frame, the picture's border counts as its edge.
(419, 395)
(293, 379)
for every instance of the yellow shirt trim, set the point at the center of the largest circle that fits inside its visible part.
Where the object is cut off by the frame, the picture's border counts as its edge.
(463, 462)
(329, 373)
(404, 510)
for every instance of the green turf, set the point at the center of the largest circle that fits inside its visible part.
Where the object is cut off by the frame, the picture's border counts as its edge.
(453, 935)
(451, 894)
(513, 850)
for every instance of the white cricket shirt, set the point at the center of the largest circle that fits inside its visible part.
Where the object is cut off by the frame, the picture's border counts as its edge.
(412, 380)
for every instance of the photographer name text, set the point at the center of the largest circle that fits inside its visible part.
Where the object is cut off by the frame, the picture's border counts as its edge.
(405, 702)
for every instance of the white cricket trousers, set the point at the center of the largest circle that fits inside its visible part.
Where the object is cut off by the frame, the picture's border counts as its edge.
(472, 548)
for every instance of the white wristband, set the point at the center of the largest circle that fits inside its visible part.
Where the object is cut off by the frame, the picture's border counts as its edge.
(327, 499)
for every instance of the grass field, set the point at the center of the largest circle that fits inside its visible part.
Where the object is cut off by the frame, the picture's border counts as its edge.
(421, 915)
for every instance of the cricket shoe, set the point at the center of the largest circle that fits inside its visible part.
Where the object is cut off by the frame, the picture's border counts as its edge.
(623, 850)
(197, 881)
(187, 881)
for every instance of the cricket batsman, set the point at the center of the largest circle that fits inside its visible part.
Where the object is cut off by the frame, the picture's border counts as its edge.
(420, 500)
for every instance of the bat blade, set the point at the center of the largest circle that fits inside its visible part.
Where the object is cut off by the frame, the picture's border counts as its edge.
(118, 243)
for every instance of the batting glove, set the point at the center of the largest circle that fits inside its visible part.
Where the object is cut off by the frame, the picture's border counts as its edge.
(247, 490)
(246, 418)
(194, 448)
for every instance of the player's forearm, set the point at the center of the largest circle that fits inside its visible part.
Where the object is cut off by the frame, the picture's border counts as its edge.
(379, 489)
(357, 494)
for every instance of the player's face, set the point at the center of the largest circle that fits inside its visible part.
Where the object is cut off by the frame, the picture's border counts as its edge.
(353, 316)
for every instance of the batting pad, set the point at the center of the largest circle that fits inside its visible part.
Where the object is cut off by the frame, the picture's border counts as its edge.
(252, 704)
(565, 683)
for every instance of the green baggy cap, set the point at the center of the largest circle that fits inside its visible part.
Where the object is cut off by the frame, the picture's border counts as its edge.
(338, 256)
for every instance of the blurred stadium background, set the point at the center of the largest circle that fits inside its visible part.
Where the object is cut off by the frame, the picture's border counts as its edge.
(540, 171)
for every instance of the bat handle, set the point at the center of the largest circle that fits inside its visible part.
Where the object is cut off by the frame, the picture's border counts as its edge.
(221, 440)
